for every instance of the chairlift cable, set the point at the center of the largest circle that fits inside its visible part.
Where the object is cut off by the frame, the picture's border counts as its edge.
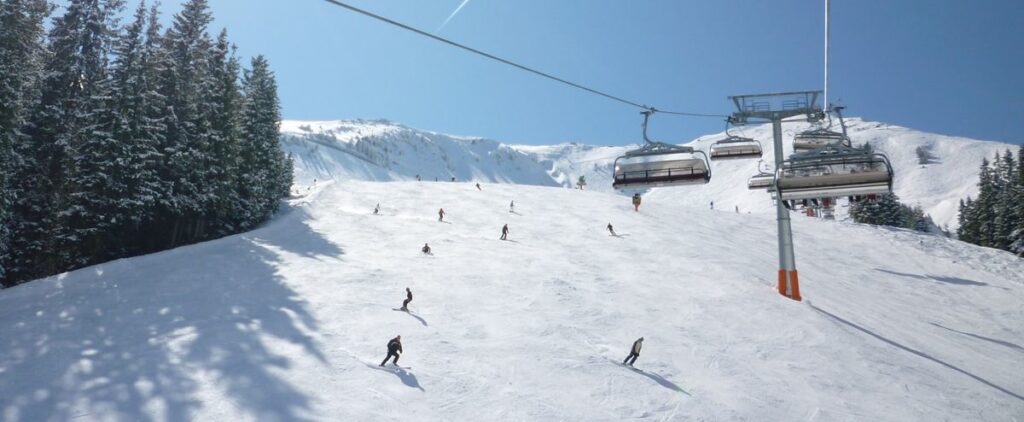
(511, 63)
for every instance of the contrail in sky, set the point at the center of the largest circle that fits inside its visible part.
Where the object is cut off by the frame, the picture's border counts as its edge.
(457, 9)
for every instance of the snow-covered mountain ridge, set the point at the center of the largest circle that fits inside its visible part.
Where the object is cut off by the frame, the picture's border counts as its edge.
(378, 150)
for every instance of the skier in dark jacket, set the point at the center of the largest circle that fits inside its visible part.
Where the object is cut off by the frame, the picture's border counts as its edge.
(440, 214)
(376, 210)
(426, 249)
(634, 352)
(394, 349)
(408, 298)
(504, 232)
(611, 229)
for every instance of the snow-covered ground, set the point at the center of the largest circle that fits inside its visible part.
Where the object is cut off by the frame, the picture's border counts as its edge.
(289, 321)
(382, 151)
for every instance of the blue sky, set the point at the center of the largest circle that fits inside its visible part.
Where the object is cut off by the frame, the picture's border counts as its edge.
(944, 66)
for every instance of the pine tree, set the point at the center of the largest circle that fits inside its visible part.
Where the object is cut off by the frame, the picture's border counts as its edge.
(71, 88)
(984, 206)
(1016, 238)
(265, 177)
(187, 48)
(225, 118)
(21, 56)
(97, 179)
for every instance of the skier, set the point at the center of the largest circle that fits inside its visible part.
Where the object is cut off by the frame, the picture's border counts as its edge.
(394, 349)
(417, 178)
(440, 215)
(636, 201)
(633, 353)
(504, 232)
(512, 206)
(453, 178)
(478, 187)
(611, 230)
(737, 209)
(376, 210)
(408, 298)
(426, 249)
(712, 204)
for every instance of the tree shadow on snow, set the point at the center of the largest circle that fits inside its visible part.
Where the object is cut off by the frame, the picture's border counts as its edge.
(916, 352)
(941, 279)
(131, 339)
(988, 339)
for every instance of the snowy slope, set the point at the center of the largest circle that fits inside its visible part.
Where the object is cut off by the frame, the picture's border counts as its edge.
(288, 322)
(382, 151)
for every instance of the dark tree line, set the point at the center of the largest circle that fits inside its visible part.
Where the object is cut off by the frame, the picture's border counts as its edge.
(996, 217)
(887, 210)
(118, 140)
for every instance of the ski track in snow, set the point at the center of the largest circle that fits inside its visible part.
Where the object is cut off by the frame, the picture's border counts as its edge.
(288, 322)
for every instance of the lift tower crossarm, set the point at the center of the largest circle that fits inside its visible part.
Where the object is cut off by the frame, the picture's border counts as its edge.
(774, 108)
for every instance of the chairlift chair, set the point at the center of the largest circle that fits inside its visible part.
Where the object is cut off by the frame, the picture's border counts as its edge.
(820, 137)
(833, 171)
(734, 147)
(658, 164)
(817, 138)
(762, 180)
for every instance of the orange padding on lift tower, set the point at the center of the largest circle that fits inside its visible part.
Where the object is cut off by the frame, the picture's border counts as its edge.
(796, 284)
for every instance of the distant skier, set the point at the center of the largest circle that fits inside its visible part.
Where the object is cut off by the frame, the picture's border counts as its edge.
(581, 182)
(408, 298)
(712, 204)
(504, 232)
(453, 178)
(440, 215)
(611, 229)
(737, 209)
(426, 249)
(633, 353)
(478, 187)
(512, 206)
(636, 202)
(376, 209)
(394, 349)
(418, 178)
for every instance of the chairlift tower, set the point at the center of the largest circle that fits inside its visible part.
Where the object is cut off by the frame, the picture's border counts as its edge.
(774, 108)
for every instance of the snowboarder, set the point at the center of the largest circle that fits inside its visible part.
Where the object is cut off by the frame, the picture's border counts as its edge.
(376, 209)
(426, 249)
(633, 353)
(504, 232)
(394, 349)
(611, 229)
(478, 187)
(440, 215)
(636, 202)
(408, 298)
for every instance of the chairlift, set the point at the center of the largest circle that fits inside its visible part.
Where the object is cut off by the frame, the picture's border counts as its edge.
(833, 171)
(822, 136)
(658, 164)
(735, 147)
(762, 180)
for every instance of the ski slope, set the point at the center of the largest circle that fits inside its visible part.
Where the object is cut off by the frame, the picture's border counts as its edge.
(289, 321)
(379, 150)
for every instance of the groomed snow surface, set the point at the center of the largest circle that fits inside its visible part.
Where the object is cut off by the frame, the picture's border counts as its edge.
(289, 322)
